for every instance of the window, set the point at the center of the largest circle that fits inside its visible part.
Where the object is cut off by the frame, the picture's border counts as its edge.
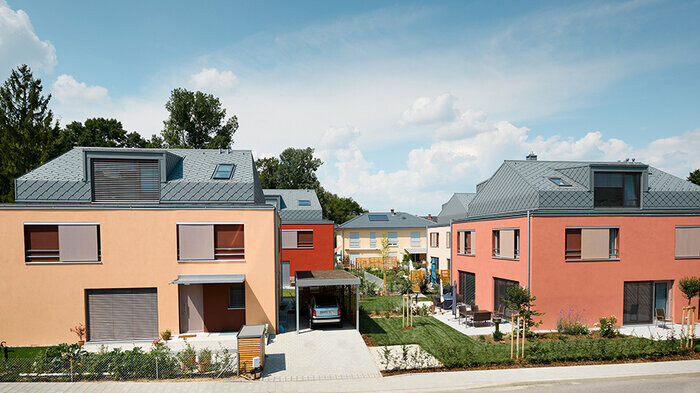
(394, 239)
(616, 189)
(119, 180)
(305, 239)
(415, 239)
(434, 239)
(354, 239)
(687, 242)
(236, 297)
(304, 202)
(558, 181)
(500, 287)
(448, 240)
(465, 242)
(592, 243)
(373, 239)
(223, 172)
(506, 243)
(208, 242)
(378, 217)
(61, 243)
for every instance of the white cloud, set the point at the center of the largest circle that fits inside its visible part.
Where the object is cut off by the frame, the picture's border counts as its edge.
(214, 81)
(19, 44)
(426, 110)
(430, 174)
(67, 90)
(335, 138)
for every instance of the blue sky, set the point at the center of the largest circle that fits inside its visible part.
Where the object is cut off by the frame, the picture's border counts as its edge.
(406, 102)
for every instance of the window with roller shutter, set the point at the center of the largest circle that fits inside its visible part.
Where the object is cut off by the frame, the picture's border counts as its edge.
(123, 180)
(122, 314)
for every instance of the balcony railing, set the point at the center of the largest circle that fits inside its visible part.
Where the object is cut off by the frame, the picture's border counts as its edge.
(305, 244)
(229, 253)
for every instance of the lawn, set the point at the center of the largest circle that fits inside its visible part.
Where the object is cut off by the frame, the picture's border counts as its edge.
(377, 304)
(288, 292)
(453, 349)
(24, 352)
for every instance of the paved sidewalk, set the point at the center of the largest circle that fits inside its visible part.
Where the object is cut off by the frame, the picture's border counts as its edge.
(420, 382)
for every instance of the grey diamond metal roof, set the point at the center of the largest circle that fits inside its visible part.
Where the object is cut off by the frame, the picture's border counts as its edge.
(395, 220)
(521, 185)
(189, 176)
(455, 208)
(290, 211)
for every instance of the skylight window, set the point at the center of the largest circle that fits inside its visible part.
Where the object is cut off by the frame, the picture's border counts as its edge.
(558, 181)
(223, 172)
(304, 202)
(378, 217)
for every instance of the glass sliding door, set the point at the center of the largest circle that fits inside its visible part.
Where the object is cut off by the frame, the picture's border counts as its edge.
(467, 287)
(661, 297)
(638, 302)
(500, 286)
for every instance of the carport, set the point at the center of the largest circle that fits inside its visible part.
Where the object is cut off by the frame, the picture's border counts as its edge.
(338, 281)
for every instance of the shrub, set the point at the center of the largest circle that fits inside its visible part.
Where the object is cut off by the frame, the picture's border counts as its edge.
(187, 358)
(497, 335)
(166, 334)
(572, 322)
(518, 298)
(690, 287)
(607, 326)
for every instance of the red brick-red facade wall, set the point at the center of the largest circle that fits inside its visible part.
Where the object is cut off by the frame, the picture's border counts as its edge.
(217, 317)
(318, 258)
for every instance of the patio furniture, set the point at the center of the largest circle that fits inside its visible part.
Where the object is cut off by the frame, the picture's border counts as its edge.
(662, 318)
(481, 318)
(447, 304)
(463, 311)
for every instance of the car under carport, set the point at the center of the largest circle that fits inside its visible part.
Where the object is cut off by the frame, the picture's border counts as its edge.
(339, 283)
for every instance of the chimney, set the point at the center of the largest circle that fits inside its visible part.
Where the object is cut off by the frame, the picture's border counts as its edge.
(392, 211)
(531, 156)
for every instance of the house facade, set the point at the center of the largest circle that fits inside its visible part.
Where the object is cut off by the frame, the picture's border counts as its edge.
(595, 238)
(361, 237)
(131, 242)
(306, 238)
(439, 236)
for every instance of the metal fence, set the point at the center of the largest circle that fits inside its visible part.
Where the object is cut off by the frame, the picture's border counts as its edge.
(159, 363)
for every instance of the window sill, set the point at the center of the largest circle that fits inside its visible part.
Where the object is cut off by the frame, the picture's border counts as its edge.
(214, 261)
(235, 308)
(64, 263)
(467, 255)
(680, 258)
(504, 258)
(593, 260)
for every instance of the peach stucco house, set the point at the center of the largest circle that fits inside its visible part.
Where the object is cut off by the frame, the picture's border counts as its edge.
(598, 238)
(131, 242)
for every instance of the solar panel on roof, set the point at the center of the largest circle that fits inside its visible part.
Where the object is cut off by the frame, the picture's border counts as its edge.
(378, 217)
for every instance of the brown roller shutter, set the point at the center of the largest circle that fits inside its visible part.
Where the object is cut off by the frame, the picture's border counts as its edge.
(41, 243)
(229, 241)
(305, 239)
(122, 314)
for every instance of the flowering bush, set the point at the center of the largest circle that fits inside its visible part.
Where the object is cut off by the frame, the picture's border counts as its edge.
(572, 322)
(607, 326)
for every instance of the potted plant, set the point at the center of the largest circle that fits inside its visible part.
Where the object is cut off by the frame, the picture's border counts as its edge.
(81, 332)
(166, 334)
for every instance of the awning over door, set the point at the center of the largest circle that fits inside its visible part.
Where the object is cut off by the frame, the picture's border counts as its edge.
(416, 250)
(209, 279)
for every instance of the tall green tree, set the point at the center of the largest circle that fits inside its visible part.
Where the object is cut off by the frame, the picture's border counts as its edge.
(29, 135)
(196, 120)
(295, 169)
(694, 177)
(101, 132)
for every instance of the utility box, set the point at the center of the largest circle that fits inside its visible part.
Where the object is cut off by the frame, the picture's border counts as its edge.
(251, 345)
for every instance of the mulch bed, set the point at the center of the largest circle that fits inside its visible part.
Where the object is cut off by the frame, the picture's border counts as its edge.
(369, 341)
(543, 337)
(525, 364)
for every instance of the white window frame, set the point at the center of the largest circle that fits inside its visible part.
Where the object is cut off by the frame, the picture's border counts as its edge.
(393, 240)
(373, 239)
(354, 241)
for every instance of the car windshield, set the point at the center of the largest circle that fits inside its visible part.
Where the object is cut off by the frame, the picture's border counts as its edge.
(326, 302)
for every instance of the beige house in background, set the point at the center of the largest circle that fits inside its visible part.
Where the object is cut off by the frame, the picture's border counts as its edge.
(361, 237)
(440, 235)
(130, 242)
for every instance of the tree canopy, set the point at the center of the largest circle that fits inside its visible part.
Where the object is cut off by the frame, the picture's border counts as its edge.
(101, 132)
(196, 120)
(296, 169)
(694, 177)
(30, 136)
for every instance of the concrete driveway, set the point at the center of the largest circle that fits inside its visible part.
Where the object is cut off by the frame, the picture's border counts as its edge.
(319, 354)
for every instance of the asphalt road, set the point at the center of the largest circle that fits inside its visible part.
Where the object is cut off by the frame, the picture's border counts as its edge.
(669, 384)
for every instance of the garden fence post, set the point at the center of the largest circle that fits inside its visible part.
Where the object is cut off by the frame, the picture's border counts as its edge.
(156, 367)
(71, 369)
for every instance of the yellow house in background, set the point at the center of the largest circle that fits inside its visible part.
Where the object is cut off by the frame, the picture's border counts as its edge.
(361, 237)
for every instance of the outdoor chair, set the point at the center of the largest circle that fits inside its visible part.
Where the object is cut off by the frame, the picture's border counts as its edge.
(662, 318)
(447, 304)
(481, 318)
(463, 311)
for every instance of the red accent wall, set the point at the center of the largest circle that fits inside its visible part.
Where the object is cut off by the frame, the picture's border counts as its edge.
(318, 258)
(596, 288)
(217, 317)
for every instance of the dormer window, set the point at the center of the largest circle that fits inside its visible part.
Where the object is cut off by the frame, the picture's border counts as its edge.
(125, 180)
(616, 189)
(304, 202)
(223, 172)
